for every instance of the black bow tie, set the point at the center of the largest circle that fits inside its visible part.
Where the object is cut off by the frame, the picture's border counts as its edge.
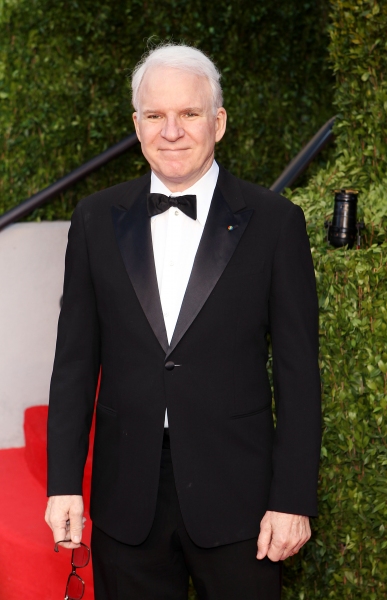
(159, 203)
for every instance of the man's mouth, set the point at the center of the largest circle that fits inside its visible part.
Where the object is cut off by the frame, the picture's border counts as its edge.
(173, 149)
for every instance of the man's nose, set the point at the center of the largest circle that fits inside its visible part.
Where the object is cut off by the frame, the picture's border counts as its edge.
(172, 130)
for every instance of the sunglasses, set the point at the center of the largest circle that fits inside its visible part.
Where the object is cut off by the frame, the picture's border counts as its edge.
(80, 557)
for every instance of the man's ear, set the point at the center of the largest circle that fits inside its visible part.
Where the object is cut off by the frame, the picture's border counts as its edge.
(220, 123)
(136, 126)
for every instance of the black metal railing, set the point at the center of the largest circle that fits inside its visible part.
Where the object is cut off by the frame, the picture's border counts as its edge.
(300, 162)
(287, 177)
(50, 192)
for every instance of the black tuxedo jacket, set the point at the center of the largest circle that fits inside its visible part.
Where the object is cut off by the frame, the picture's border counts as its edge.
(252, 277)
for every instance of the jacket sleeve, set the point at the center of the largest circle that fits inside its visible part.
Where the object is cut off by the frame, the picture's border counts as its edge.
(76, 368)
(293, 310)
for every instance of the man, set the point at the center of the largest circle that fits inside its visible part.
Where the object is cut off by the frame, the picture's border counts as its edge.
(173, 283)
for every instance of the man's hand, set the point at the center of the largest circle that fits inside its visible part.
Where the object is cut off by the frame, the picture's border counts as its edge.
(282, 535)
(64, 514)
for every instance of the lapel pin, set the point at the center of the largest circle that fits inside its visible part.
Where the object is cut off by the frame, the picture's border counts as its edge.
(231, 227)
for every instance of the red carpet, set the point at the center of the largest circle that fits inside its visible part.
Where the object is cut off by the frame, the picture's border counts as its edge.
(29, 567)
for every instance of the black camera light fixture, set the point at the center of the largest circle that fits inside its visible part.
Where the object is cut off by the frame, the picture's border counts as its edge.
(344, 229)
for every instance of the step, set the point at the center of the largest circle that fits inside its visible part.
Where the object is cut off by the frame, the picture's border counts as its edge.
(29, 567)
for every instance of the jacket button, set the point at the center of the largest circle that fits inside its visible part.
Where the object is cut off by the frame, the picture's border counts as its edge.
(170, 365)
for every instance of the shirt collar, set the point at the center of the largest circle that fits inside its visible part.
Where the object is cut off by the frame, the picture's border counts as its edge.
(203, 189)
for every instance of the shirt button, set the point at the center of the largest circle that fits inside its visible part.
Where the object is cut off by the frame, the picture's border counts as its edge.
(171, 263)
(177, 213)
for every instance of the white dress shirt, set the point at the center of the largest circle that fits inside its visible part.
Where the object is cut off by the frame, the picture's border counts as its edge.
(175, 239)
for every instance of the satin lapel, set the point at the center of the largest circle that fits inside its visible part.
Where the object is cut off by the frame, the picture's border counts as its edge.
(133, 233)
(221, 235)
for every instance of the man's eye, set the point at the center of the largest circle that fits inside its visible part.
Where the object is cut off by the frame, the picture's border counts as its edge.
(191, 114)
(153, 116)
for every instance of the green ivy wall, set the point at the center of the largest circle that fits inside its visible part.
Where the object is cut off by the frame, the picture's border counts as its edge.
(347, 557)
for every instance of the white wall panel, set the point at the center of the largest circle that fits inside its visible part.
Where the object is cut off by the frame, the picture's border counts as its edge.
(31, 281)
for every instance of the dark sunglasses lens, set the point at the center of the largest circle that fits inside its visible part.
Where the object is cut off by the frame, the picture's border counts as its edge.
(74, 588)
(80, 556)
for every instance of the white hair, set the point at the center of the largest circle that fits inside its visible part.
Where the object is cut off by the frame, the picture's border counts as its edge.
(184, 58)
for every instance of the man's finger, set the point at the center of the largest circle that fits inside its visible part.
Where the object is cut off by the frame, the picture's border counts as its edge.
(56, 520)
(264, 540)
(76, 523)
(278, 549)
(287, 553)
(292, 551)
(300, 544)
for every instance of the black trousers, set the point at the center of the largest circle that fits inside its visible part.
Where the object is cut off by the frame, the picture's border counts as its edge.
(159, 568)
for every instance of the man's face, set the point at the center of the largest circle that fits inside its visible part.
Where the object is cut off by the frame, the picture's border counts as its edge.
(176, 125)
